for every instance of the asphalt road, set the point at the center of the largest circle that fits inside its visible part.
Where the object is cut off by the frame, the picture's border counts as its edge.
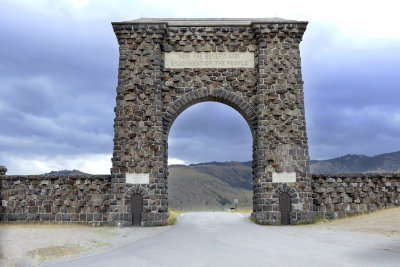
(231, 239)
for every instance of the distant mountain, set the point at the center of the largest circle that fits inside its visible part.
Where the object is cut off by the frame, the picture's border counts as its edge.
(389, 162)
(210, 186)
(66, 172)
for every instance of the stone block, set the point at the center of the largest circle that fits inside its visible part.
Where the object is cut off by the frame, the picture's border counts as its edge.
(66, 217)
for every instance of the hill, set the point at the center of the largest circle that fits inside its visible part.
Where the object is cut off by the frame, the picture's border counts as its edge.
(66, 172)
(388, 162)
(209, 186)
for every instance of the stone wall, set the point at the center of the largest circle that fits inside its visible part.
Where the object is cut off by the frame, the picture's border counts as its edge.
(337, 195)
(71, 199)
(87, 198)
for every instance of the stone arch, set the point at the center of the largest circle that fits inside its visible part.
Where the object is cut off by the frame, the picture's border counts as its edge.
(127, 198)
(224, 96)
(136, 189)
(285, 188)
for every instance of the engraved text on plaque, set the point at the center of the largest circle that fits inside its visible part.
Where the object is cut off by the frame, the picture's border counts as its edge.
(283, 177)
(181, 60)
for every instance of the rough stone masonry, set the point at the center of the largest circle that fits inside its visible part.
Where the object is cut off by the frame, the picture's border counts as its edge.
(86, 199)
(3, 170)
(252, 65)
(167, 65)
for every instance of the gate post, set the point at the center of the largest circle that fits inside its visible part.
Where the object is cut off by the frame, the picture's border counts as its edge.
(139, 146)
(282, 148)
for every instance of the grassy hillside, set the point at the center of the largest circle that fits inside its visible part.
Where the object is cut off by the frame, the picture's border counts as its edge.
(389, 162)
(196, 188)
(236, 174)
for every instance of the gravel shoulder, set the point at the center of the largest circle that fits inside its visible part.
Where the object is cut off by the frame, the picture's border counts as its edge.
(381, 223)
(37, 244)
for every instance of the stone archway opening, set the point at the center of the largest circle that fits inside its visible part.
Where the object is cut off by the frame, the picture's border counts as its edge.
(203, 134)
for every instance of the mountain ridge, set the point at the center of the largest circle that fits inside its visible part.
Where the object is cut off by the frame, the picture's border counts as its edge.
(353, 163)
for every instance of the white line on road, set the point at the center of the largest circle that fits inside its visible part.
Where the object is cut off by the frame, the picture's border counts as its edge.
(240, 215)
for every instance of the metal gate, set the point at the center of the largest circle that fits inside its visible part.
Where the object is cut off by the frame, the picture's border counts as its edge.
(284, 205)
(137, 208)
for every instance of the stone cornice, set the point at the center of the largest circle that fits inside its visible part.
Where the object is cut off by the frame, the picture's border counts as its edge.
(210, 22)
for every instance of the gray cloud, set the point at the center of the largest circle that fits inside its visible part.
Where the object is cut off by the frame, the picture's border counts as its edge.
(210, 131)
(351, 96)
(58, 79)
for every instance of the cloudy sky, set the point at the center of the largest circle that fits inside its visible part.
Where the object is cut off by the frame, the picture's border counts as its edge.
(58, 74)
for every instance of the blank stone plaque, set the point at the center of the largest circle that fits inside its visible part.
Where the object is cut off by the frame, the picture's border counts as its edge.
(137, 178)
(283, 177)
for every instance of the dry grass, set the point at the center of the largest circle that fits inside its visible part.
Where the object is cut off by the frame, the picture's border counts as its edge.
(175, 211)
(33, 243)
(42, 225)
(52, 252)
(171, 220)
(242, 210)
(383, 222)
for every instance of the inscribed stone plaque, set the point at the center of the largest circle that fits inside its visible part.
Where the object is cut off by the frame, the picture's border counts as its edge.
(181, 60)
(283, 177)
(137, 178)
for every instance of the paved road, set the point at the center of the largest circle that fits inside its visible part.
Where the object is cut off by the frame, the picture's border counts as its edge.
(230, 239)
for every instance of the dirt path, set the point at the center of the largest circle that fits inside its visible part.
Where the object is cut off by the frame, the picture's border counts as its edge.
(382, 222)
(34, 244)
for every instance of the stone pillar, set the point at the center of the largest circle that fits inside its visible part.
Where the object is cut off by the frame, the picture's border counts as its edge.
(138, 143)
(281, 137)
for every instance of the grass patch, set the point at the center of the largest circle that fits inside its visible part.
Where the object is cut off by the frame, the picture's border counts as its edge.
(361, 213)
(53, 252)
(175, 211)
(315, 220)
(254, 220)
(318, 219)
(102, 244)
(43, 224)
(244, 210)
(171, 220)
